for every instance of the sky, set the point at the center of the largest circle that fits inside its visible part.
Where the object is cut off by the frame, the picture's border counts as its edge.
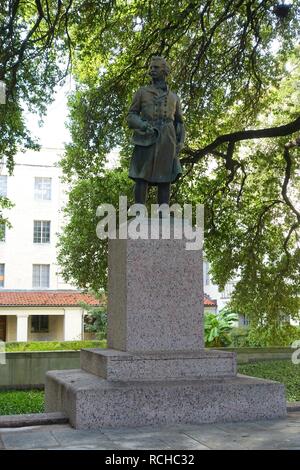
(53, 133)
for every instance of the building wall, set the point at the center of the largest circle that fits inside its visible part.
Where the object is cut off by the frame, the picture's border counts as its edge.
(56, 330)
(11, 327)
(210, 310)
(64, 324)
(18, 252)
(212, 290)
(73, 325)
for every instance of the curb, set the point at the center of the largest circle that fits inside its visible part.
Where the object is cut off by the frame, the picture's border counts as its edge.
(35, 419)
(293, 406)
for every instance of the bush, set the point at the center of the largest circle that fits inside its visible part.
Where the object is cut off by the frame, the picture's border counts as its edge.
(273, 335)
(264, 336)
(239, 337)
(95, 321)
(217, 328)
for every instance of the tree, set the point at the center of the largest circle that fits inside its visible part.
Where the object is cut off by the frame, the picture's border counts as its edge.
(34, 51)
(229, 67)
(82, 256)
(228, 59)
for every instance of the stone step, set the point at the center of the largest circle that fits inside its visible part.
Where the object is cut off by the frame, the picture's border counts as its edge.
(91, 402)
(111, 364)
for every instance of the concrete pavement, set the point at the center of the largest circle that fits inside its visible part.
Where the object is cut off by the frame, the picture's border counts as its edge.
(272, 434)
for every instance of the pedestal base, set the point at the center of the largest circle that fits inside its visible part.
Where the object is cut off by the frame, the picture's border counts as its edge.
(111, 364)
(92, 402)
(155, 371)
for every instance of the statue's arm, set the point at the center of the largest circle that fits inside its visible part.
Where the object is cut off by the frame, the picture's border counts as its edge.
(179, 126)
(134, 119)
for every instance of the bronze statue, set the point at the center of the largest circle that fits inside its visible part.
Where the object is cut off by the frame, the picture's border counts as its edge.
(156, 118)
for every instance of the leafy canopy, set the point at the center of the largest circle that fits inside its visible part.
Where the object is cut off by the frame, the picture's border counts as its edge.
(228, 61)
(229, 66)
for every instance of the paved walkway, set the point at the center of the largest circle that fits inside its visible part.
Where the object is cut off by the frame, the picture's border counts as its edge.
(273, 434)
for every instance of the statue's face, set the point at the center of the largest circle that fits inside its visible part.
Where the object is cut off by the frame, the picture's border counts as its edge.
(157, 70)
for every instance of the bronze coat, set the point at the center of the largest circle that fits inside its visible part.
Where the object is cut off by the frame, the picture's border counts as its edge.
(155, 155)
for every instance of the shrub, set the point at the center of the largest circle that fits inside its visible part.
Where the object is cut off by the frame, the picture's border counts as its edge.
(217, 328)
(239, 337)
(95, 321)
(273, 335)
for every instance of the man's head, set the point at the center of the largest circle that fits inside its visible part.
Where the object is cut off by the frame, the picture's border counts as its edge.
(158, 68)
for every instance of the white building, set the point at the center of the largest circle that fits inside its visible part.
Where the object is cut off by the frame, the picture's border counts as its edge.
(212, 290)
(28, 255)
(221, 298)
(29, 247)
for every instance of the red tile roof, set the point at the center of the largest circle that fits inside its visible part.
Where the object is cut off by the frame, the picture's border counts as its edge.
(208, 302)
(46, 298)
(58, 299)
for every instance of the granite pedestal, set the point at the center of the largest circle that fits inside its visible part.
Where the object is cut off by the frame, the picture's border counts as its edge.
(156, 370)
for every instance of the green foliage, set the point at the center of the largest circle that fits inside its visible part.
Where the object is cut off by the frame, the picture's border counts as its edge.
(231, 63)
(217, 328)
(282, 371)
(33, 57)
(95, 320)
(273, 335)
(228, 62)
(52, 345)
(5, 203)
(21, 402)
(239, 338)
(234, 79)
(265, 336)
(33, 50)
(82, 255)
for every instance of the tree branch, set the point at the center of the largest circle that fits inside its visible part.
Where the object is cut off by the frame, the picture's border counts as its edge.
(280, 131)
(288, 170)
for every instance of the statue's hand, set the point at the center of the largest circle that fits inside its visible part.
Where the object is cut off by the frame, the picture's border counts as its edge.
(147, 127)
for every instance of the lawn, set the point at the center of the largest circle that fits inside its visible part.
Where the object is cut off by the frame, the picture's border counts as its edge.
(282, 371)
(21, 402)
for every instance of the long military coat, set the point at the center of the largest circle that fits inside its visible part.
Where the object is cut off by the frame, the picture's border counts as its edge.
(155, 154)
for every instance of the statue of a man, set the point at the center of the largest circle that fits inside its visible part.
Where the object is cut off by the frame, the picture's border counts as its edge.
(156, 118)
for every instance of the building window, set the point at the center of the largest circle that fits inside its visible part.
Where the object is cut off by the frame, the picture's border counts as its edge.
(2, 232)
(3, 185)
(227, 292)
(40, 275)
(41, 231)
(243, 321)
(2, 271)
(42, 189)
(39, 324)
